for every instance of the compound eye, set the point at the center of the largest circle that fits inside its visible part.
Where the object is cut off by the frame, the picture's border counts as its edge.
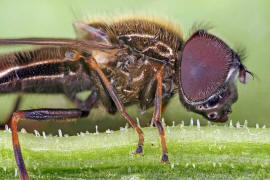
(204, 66)
(212, 115)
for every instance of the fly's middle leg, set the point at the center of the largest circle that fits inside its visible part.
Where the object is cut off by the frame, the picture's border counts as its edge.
(120, 106)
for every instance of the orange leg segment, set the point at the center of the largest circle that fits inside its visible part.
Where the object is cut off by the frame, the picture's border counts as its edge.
(157, 116)
(38, 114)
(16, 145)
(94, 66)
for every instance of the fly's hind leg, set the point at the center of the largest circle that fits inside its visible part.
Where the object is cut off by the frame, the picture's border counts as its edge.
(15, 108)
(120, 106)
(38, 114)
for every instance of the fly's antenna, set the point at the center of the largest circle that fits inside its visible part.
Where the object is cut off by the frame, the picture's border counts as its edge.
(241, 52)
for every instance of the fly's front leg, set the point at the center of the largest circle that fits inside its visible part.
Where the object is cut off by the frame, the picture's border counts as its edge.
(163, 108)
(15, 108)
(38, 114)
(157, 115)
(94, 66)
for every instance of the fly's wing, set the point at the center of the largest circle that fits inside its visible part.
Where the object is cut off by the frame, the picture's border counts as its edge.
(99, 40)
(78, 44)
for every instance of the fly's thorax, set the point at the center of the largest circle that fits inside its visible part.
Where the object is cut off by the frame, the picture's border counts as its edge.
(148, 37)
(148, 45)
(133, 77)
(144, 46)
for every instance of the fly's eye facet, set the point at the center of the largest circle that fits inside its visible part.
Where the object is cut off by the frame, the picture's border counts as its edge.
(205, 62)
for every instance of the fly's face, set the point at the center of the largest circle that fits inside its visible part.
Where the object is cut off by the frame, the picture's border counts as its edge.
(218, 106)
(207, 74)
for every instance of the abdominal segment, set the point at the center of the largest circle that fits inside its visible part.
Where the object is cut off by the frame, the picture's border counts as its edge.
(44, 69)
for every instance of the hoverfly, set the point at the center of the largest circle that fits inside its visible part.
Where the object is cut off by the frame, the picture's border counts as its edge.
(129, 61)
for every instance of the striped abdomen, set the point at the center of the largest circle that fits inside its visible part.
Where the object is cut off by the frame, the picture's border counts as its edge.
(45, 70)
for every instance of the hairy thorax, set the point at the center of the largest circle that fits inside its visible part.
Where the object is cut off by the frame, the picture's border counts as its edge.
(133, 78)
(146, 46)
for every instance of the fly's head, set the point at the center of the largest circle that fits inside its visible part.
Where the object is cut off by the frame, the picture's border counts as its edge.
(207, 73)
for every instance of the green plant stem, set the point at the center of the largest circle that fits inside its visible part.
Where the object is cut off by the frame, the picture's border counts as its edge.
(205, 153)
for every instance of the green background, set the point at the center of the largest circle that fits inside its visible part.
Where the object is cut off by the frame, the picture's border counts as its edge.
(239, 23)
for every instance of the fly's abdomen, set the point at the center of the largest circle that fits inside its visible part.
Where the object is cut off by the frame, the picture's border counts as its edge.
(41, 70)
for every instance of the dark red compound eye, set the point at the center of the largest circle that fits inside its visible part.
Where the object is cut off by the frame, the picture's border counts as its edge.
(204, 66)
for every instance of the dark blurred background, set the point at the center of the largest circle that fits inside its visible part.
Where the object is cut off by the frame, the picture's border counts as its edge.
(239, 23)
